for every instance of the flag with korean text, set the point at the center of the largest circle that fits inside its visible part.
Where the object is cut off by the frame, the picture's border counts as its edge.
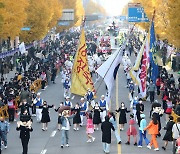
(81, 78)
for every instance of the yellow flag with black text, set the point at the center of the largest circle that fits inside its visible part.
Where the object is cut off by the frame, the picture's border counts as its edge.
(81, 77)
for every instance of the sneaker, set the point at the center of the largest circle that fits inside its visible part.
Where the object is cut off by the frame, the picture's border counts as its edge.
(89, 141)
(5, 147)
(119, 142)
(77, 129)
(43, 129)
(74, 129)
(93, 139)
(67, 145)
(62, 146)
(163, 148)
(139, 146)
(149, 147)
(156, 149)
(135, 144)
(127, 143)
(97, 128)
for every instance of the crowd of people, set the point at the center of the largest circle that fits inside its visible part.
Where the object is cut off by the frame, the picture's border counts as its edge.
(94, 114)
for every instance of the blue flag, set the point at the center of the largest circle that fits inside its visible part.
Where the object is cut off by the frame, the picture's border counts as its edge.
(154, 72)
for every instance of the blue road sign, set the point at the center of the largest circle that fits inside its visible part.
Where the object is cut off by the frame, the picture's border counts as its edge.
(63, 23)
(137, 14)
(26, 29)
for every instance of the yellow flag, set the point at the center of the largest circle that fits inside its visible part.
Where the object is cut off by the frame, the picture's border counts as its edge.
(81, 77)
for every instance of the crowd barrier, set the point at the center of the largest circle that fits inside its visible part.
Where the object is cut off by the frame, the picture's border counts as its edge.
(36, 85)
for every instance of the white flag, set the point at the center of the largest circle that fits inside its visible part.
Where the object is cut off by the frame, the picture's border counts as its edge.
(22, 48)
(109, 69)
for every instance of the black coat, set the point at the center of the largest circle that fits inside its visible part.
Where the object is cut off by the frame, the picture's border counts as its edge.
(106, 131)
(168, 135)
(24, 132)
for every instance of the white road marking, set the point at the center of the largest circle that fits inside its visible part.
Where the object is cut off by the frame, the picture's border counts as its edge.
(43, 151)
(45, 87)
(53, 133)
(18, 113)
(73, 97)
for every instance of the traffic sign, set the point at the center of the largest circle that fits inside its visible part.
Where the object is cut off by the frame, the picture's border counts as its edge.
(136, 13)
(26, 29)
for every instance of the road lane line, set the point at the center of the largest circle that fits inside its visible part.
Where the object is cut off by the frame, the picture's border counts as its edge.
(53, 133)
(117, 107)
(43, 151)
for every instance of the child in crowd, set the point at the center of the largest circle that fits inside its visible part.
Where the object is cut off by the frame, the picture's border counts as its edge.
(142, 133)
(90, 128)
(132, 130)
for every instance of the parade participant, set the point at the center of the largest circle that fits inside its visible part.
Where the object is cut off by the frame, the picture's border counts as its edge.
(158, 112)
(104, 106)
(153, 131)
(158, 84)
(59, 115)
(168, 135)
(139, 110)
(132, 130)
(45, 115)
(133, 106)
(106, 134)
(25, 127)
(90, 128)
(67, 102)
(142, 133)
(90, 97)
(4, 128)
(38, 102)
(96, 118)
(77, 118)
(131, 90)
(122, 116)
(83, 111)
(24, 106)
(66, 86)
(65, 128)
(33, 96)
(114, 123)
(169, 107)
(151, 90)
(176, 132)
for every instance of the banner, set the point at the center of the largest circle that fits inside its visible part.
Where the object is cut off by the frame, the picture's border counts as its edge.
(152, 54)
(138, 72)
(108, 70)
(81, 78)
(142, 73)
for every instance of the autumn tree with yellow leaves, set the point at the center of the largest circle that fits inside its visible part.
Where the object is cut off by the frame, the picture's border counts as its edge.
(14, 17)
(166, 18)
(42, 16)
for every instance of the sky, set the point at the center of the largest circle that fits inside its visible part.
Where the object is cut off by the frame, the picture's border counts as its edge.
(113, 7)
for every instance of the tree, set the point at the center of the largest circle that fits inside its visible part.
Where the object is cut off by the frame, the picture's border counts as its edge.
(42, 16)
(13, 17)
(166, 18)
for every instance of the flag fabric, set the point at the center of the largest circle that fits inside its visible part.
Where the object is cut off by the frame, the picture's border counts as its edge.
(134, 70)
(142, 73)
(81, 78)
(138, 72)
(154, 72)
(108, 70)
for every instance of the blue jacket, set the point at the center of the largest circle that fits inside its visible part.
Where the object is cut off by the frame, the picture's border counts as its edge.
(4, 126)
(64, 121)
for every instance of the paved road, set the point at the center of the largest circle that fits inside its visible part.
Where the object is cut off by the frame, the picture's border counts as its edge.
(49, 142)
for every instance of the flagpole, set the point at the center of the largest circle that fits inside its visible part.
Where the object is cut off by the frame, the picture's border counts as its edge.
(123, 46)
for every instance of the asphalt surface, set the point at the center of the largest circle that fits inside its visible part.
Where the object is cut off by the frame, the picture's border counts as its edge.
(48, 142)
